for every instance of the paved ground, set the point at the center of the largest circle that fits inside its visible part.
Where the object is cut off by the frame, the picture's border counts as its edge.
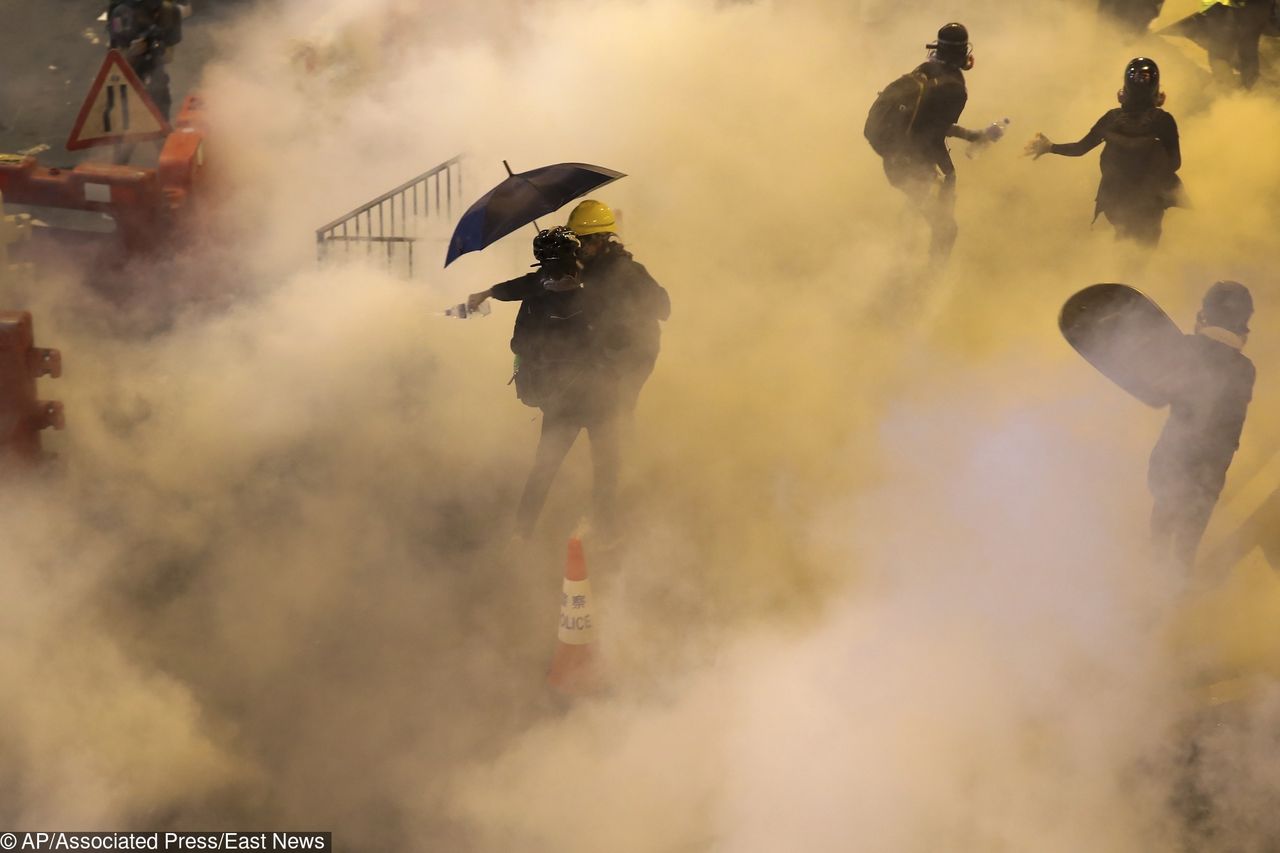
(52, 49)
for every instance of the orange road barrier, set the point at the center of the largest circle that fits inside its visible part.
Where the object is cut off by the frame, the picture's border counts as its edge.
(131, 195)
(181, 169)
(573, 668)
(146, 203)
(22, 415)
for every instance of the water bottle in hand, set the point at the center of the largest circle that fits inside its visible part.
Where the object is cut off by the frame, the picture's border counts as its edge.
(462, 312)
(991, 133)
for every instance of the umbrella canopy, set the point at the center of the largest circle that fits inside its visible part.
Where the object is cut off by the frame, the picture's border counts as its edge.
(521, 199)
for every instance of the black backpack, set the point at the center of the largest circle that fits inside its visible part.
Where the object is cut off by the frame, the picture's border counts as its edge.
(549, 343)
(893, 114)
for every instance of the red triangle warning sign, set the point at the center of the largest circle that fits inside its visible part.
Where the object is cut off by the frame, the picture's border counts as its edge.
(117, 109)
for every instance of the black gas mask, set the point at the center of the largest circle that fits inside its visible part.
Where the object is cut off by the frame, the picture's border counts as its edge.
(556, 252)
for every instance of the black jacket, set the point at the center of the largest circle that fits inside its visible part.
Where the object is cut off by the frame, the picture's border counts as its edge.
(1139, 162)
(575, 346)
(551, 325)
(941, 104)
(556, 369)
(625, 305)
(1209, 404)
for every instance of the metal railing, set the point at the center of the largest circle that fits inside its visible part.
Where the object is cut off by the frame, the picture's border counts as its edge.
(394, 219)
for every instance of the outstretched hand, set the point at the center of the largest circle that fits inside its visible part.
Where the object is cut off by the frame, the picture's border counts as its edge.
(475, 300)
(1038, 146)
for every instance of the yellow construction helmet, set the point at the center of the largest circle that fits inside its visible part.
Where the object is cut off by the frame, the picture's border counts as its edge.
(592, 217)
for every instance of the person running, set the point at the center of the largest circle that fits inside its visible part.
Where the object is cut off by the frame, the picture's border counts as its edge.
(909, 125)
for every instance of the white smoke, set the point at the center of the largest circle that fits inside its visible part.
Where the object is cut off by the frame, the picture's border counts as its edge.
(885, 588)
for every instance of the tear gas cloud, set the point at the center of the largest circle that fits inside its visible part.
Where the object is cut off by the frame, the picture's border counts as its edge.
(885, 589)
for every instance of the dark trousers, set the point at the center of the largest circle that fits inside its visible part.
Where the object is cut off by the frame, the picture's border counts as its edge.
(1179, 518)
(151, 70)
(560, 429)
(157, 83)
(933, 196)
(631, 378)
(1142, 225)
(1236, 44)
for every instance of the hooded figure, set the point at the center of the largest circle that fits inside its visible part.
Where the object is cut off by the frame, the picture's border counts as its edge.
(1140, 159)
(1214, 384)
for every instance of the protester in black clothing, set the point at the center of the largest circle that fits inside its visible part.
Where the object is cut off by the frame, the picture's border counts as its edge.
(145, 31)
(629, 304)
(1214, 384)
(583, 348)
(557, 372)
(1132, 16)
(918, 161)
(1140, 160)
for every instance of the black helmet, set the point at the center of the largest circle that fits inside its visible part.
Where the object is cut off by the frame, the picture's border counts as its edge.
(952, 45)
(1228, 305)
(1141, 83)
(555, 244)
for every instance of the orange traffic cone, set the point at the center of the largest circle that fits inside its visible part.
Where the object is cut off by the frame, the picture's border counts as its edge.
(573, 666)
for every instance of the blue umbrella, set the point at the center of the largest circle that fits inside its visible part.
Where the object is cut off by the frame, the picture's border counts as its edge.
(521, 199)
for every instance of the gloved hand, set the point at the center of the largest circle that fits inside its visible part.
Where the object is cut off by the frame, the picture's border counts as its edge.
(1038, 146)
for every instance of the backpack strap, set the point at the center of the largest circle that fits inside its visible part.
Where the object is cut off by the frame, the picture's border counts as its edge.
(921, 80)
